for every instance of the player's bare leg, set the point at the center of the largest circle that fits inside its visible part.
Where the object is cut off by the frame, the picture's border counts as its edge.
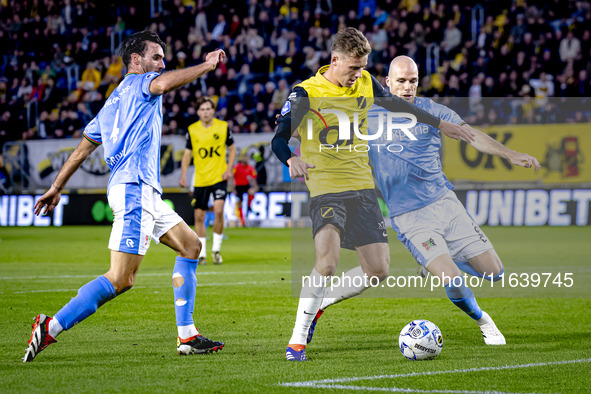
(462, 296)
(124, 267)
(119, 279)
(186, 244)
(374, 262)
(488, 263)
(218, 229)
(202, 234)
(327, 243)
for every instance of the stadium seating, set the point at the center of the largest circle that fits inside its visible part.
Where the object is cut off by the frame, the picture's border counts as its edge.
(59, 60)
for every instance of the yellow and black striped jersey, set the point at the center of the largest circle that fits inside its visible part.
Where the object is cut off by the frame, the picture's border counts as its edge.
(209, 151)
(318, 109)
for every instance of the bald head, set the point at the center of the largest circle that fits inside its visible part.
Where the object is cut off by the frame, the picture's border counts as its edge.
(402, 63)
(403, 78)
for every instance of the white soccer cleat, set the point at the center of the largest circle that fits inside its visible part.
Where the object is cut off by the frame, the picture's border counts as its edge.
(423, 272)
(490, 332)
(217, 258)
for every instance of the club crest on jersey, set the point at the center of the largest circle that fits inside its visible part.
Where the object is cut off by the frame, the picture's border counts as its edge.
(327, 212)
(429, 244)
(286, 108)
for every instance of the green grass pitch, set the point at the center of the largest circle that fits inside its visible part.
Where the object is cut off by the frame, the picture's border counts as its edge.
(129, 345)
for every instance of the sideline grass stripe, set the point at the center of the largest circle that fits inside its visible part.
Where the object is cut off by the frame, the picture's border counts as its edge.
(403, 390)
(314, 383)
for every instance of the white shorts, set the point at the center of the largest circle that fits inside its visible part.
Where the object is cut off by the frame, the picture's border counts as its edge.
(139, 214)
(443, 227)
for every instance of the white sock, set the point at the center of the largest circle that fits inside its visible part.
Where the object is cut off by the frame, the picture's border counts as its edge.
(203, 248)
(310, 300)
(217, 242)
(55, 328)
(346, 288)
(187, 331)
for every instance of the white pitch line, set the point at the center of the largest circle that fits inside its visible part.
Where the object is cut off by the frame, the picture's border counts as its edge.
(151, 274)
(154, 287)
(315, 383)
(403, 390)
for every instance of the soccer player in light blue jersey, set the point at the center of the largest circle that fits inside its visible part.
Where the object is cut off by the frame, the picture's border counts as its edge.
(129, 127)
(425, 213)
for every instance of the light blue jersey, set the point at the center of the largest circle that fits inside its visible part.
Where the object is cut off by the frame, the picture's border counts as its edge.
(129, 126)
(412, 178)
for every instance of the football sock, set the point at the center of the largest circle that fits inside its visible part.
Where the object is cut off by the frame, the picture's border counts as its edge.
(469, 269)
(310, 300)
(187, 331)
(203, 248)
(346, 288)
(54, 328)
(463, 297)
(184, 285)
(89, 298)
(240, 215)
(217, 242)
(250, 198)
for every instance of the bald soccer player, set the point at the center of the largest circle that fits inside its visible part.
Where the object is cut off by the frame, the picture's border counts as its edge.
(425, 213)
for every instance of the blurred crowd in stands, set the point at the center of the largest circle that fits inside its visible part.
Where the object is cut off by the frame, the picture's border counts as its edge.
(59, 57)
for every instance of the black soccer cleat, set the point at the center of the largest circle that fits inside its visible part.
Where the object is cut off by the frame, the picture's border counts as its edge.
(197, 344)
(40, 338)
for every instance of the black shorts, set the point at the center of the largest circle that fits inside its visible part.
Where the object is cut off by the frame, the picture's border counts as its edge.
(201, 194)
(355, 213)
(240, 190)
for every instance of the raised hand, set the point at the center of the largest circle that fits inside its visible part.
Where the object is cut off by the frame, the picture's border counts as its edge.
(524, 160)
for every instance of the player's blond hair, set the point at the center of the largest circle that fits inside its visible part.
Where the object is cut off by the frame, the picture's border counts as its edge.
(352, 42)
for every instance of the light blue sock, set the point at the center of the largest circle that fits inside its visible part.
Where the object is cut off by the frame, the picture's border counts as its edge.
(89, 298)
(184, 285)
(467, 268)
(463, 297)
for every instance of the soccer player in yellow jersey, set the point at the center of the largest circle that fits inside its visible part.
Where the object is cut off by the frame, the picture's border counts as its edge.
(344, 207)
(207, 140)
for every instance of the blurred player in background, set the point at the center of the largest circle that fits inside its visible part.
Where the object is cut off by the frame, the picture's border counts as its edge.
(207, 140)
(129, 126)
(245, 182)
(425, 213)
(344, 206)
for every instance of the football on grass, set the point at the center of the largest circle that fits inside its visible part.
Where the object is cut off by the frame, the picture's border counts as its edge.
(420, 340)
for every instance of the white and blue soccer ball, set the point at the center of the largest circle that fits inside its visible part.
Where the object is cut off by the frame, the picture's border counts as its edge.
(420, 340)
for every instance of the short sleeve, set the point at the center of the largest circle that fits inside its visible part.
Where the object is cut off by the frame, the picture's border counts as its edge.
(146, 80)
(189, 145)
(445, 113)
(92, 132)
(229, 138)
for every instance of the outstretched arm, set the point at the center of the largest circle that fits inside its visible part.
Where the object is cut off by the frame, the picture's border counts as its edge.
(486, 144)
(52, 197)
(175, 79)
(185, 161)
